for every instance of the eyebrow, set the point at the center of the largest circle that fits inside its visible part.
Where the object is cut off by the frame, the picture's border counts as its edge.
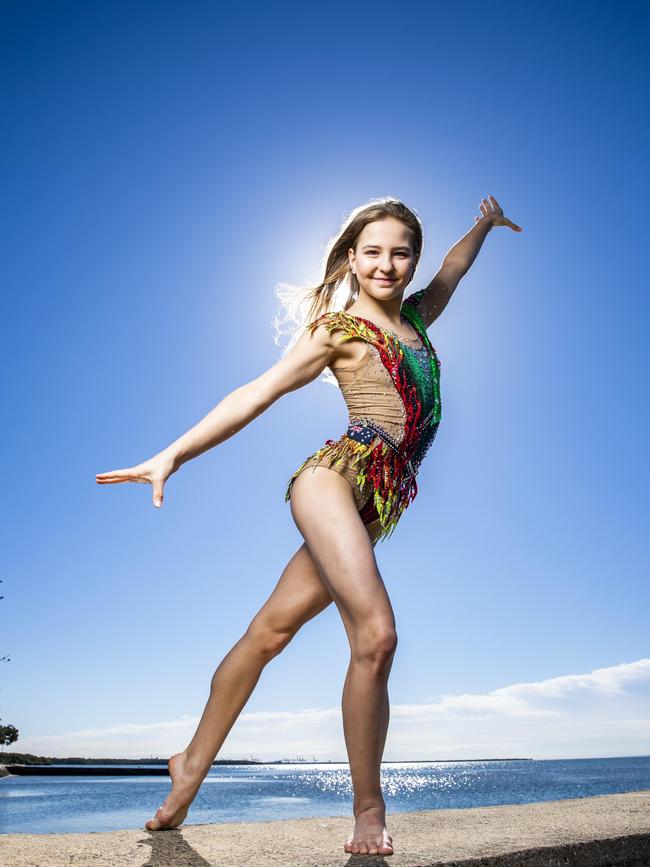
(402, 247)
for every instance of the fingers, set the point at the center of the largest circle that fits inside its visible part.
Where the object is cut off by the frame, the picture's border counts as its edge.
(490, 206)
(143, 473)
(158, 485)
(114, 476)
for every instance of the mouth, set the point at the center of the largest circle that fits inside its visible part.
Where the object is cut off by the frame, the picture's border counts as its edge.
(385, 279)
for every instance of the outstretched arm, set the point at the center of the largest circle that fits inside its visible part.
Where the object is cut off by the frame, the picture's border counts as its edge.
(432, 300)
(305, 361)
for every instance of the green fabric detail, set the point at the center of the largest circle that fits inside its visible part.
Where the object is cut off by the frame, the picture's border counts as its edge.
(414, 318)
(410, 313)
(425, 388)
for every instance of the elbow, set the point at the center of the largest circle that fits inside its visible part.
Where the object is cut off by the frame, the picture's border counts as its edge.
(454, 269)
(261, 396)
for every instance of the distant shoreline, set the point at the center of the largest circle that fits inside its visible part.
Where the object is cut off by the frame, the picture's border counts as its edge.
(9, 759)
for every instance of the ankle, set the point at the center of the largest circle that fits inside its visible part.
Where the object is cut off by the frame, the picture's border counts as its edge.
(365, 805)
(194, 765)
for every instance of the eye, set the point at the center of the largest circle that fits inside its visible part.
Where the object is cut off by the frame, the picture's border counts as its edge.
(401, 253)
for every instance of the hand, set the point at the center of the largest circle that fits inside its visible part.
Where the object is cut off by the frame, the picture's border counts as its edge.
(156, 471)
(492, 211)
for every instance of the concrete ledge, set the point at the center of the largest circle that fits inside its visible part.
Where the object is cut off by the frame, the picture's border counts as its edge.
(603, 831)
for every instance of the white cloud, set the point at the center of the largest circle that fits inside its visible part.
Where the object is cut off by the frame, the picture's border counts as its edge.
(602, 713)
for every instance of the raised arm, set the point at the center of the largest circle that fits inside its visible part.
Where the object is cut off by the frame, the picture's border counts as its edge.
(311, 354)
(432, 300)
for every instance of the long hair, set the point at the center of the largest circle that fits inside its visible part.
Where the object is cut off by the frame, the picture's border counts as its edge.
(339, 287)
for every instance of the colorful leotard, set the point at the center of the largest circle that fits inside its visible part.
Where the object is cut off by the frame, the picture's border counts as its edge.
(393, 399)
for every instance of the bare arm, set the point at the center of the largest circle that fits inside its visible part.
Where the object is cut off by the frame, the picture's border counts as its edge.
(306, 360)
(432, 300)
(311, 354)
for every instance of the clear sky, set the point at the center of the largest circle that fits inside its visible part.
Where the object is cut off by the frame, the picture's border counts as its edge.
(164, 167)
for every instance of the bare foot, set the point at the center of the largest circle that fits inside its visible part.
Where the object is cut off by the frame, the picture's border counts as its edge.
(370, 836)
(185, 785)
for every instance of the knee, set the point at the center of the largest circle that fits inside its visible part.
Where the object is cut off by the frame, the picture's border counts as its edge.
(375, 647)
(266, 641)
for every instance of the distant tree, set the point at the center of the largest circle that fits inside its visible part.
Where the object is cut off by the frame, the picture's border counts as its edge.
(8, 735)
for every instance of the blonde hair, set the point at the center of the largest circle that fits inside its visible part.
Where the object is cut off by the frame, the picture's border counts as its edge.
(302, 305)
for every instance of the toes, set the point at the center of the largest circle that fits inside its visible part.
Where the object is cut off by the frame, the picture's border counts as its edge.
(157, 822)
(363, 848)
(351, 847)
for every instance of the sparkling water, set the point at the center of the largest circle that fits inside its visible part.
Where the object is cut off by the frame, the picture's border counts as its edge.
(249, 793)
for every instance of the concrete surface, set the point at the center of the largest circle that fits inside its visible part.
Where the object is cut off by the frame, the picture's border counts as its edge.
(603, 831)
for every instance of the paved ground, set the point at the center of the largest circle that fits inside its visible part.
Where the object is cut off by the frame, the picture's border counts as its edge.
(590, 832)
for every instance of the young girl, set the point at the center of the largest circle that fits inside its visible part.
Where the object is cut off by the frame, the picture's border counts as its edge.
(353, 494)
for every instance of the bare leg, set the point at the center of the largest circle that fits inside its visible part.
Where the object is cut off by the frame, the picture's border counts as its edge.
(373, 531)
(298, 596)
(323, 506)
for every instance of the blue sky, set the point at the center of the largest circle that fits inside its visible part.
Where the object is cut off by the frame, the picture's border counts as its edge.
(164, 167)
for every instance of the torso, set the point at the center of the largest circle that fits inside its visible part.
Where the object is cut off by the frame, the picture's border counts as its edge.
(384, 378)
(390, 383)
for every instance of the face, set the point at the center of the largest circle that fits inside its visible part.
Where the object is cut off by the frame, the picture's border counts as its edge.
(384, 260)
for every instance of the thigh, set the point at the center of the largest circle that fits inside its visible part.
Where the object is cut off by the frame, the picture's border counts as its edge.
(326, 514)
(361, 498)
(374, 531)
(299, 595)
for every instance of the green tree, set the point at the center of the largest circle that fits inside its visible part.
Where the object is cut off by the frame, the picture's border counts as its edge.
(8, 735)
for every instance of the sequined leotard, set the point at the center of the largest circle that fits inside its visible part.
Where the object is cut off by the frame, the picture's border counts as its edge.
(393, 399)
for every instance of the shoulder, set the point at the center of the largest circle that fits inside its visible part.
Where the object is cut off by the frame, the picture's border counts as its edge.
(428, 303)
(416, 309)
(334, 320)
(336, 330)
(412, 309)
(414, 300)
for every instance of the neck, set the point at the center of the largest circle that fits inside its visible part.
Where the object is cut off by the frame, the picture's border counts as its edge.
(384, 311)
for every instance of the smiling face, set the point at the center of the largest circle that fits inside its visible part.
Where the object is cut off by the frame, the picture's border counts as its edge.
(384, 260)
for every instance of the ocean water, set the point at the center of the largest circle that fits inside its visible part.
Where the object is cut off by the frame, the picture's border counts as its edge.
(249, 793)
